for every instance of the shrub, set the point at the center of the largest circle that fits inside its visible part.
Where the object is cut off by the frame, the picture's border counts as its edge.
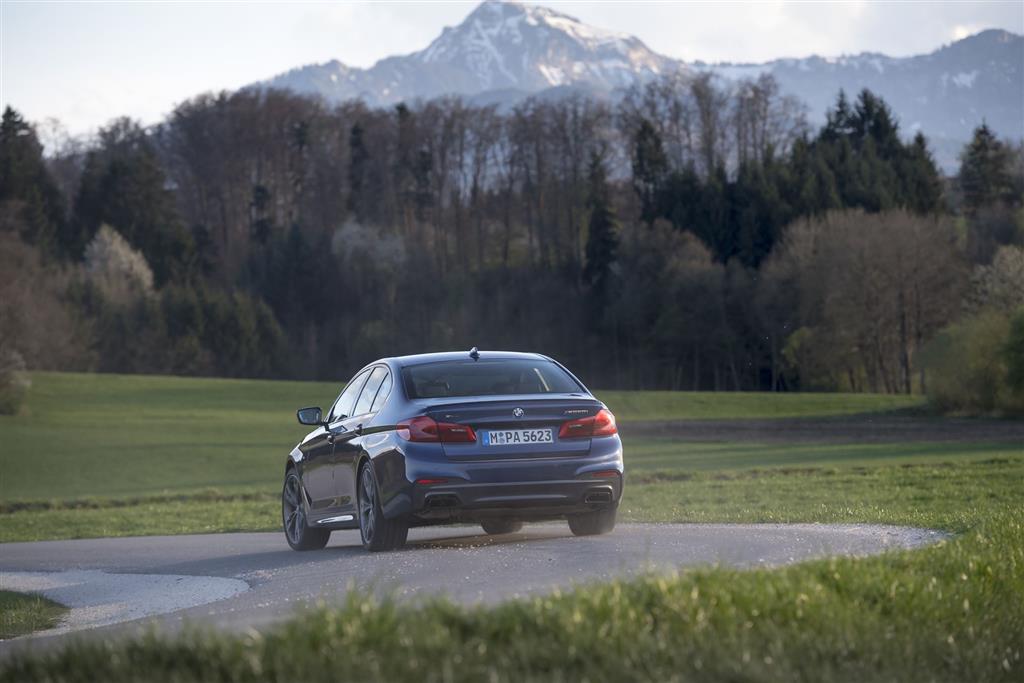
(14, 381)
(1013, 353)
(999, 285)
(969, 365)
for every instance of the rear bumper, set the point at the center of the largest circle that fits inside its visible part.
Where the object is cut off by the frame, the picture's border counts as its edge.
(520, 500)
(520, 488)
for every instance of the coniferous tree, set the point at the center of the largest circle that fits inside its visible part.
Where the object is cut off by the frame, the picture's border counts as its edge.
(649, 169)
(25, 179)
(123, 185)
(359, 158)
(872, 168)
(984, 170)
(838, 121)
(602, 239)
(921, 177)
(872, 119)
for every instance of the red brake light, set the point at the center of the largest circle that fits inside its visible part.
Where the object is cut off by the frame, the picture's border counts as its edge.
(418, 429)
(602, 424)
(426, 429)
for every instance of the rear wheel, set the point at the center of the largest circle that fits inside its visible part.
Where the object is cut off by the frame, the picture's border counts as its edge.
(594, 523)
(496, 527)
(293, 514)
(377, 532)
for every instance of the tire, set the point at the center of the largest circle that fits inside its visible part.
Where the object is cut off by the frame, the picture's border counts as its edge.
(377, 532)
(594, 523)
(293, 515)
(496, 527)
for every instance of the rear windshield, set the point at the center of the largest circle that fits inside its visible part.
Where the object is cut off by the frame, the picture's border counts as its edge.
(487, 378)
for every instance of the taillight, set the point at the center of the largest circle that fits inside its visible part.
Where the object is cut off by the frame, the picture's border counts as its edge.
(455, 433)
(424, 428)
(602, 424)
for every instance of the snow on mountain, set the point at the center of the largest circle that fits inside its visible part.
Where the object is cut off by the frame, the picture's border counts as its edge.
(500, 46)
(505, 51)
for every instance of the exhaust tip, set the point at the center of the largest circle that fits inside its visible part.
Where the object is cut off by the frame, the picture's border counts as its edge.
(603, 496)
(442, 501)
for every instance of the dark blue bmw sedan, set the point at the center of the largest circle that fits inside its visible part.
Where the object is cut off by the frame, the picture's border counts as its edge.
(491, 437)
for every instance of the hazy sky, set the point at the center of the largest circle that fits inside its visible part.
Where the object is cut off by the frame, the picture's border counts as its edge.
(87, 62)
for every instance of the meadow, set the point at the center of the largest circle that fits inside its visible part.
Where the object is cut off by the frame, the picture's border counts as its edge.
(83, 435)
(112, 455)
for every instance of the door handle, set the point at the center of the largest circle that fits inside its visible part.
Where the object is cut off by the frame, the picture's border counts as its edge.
(333, 435)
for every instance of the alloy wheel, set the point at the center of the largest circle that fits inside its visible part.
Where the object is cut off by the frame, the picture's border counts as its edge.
(367, 505)
(294, 515)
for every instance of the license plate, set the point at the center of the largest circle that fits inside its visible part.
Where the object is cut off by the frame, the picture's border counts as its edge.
(516, 437)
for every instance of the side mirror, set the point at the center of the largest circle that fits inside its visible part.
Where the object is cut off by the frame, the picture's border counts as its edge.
(314, 417)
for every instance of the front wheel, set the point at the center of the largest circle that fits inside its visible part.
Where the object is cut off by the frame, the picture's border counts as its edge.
(594, 523)
(293, 514)
(377, 532)
(496, 527)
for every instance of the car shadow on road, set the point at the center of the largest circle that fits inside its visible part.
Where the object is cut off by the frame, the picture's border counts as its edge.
(540, 533)
(346, 546)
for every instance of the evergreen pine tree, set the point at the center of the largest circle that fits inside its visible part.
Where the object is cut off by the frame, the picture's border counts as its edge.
(602, 240)
(984, 170)
(24, 178)
(650, 166)
(124, 186)
(922, 185)
(359, 158)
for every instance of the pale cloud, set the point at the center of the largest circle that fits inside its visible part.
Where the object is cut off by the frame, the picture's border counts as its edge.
(961, 31)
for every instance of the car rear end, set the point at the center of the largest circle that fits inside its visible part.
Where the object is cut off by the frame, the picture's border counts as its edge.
(524, 441)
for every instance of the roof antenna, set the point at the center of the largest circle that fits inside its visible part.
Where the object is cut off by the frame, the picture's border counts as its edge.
(474, 354)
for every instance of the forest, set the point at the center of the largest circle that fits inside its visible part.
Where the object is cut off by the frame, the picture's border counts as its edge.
(696, 234)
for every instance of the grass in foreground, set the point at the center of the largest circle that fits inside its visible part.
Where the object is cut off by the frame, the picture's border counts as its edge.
(951, 612)
(23, 613)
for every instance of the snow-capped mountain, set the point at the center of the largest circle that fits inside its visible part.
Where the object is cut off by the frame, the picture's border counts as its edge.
(944, 94)
(500, 47)
(504, 51)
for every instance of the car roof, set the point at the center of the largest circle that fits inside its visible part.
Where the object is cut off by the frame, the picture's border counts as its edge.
(422, 358)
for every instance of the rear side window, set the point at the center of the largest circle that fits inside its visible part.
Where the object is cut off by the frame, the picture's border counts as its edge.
(343, 406)
(487, 378)
(370, 391)
(382, 394)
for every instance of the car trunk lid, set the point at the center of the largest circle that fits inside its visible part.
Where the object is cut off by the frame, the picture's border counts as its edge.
(512, 415)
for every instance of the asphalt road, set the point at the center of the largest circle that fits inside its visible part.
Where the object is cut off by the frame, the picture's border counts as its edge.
(238, 581)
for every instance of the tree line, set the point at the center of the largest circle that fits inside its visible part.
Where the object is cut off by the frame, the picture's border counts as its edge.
(696, 234)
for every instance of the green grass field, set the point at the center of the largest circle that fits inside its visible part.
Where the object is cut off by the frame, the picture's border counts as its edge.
(710, 405)
(109, 455)
(112, 435)
(22, 613)
(951, 612)
(84, 435)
